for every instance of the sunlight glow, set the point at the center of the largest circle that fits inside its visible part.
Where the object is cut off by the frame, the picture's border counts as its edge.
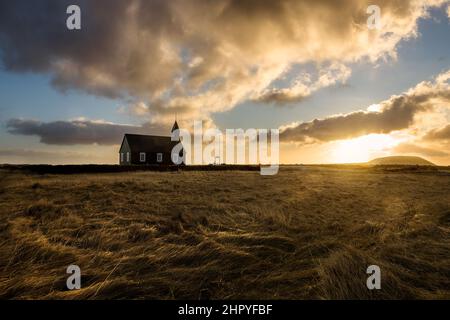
(374, 108)
(363, 149)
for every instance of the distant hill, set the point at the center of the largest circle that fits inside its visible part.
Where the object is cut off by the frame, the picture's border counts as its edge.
(401, 160)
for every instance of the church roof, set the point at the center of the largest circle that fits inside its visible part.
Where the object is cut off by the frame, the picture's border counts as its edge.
(144, 143)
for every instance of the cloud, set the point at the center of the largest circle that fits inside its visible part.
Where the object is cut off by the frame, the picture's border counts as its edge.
(198, 56)
(135, 109)
(410, 148)
(396, 113)
(438, 134)
(160, 114)
(79, 131)
(303, 86)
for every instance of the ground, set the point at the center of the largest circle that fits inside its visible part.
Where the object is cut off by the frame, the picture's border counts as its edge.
(309, 232)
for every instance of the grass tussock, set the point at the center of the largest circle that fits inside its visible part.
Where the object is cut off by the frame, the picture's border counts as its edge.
(306, 233)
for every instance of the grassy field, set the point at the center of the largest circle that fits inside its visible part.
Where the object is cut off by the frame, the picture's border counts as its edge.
(309, 232)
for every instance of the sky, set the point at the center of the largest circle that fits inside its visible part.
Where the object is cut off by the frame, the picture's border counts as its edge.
(338, 90)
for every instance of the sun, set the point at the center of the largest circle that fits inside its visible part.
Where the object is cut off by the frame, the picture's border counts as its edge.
(362, 149)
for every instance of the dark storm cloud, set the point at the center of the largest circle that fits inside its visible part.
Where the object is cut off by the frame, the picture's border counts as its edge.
(156, 49)
(96, 58)
(78, 131)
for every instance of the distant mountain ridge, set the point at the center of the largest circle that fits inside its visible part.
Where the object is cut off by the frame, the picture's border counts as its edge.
(401, 160)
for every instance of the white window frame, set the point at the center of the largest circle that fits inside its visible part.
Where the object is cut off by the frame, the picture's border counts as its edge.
(142, 156)
(159, 157)
(128, 157)
(121, 157)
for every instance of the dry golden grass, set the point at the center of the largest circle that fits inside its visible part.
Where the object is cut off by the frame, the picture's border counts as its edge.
(306, 233)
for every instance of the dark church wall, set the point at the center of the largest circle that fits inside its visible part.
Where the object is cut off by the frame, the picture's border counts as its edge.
(124, 149)
(150, 158)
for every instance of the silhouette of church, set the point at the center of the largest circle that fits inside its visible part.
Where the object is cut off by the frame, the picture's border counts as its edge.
(137, 149)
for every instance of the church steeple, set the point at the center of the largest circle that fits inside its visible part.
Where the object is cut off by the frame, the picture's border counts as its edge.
(175, 127)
